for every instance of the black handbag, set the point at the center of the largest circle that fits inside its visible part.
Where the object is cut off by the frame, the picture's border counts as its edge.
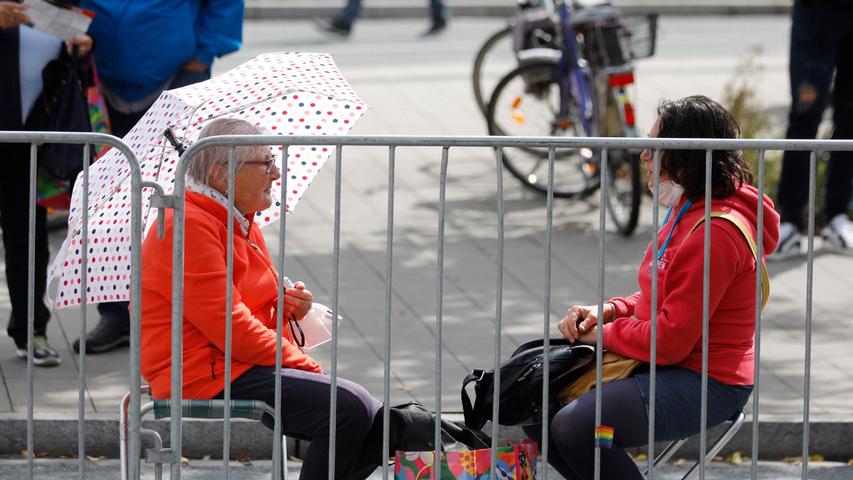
(521, 382)
(61, 107)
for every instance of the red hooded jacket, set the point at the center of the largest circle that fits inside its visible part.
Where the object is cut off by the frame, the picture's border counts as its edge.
(732, 292)
(255, 294)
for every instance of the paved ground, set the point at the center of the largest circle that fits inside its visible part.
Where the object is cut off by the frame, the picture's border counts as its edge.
(422, 87)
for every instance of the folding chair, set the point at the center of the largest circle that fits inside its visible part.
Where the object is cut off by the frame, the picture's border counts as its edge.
(735, 423)
(207, 409)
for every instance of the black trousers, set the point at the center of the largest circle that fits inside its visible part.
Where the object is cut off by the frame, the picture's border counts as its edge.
(821, 47)
(305, 415)
(14, 219)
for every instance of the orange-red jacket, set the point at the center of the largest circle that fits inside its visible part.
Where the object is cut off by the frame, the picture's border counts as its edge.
(254, 290)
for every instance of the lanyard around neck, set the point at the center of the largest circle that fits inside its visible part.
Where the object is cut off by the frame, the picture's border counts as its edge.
(681, 213)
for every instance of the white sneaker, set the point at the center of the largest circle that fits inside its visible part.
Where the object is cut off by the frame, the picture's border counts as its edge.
(790, 242)
(838, 234)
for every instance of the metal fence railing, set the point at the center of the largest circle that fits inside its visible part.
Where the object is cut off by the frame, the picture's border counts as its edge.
(450, 147)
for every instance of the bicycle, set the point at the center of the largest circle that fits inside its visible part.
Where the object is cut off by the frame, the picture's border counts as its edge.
(576, 85)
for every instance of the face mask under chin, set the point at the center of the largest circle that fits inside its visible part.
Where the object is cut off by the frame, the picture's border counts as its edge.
(670, 193)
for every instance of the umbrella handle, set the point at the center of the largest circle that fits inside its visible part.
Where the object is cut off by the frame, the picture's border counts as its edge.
(174, 141)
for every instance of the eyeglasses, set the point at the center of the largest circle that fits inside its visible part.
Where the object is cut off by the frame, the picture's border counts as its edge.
(269, 162)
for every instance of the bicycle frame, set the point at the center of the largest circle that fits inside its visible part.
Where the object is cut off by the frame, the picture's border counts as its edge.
(570, 75)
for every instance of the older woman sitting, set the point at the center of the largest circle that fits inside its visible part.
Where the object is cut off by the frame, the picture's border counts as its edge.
(304, 387)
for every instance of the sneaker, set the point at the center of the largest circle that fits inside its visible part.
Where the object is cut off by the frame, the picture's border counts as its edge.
(838, 234)
(437, 27)
(43, 354)
(790, 241)
(105, 337)
(335, 26)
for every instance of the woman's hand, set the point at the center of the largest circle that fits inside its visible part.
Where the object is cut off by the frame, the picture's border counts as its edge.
(297, 301)
(12, 14)
(82, 42)
(580, 321)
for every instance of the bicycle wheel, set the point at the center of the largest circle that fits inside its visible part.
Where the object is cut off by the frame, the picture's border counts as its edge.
(623, 174)
(623, 189)
(526, 102)
(493, 58)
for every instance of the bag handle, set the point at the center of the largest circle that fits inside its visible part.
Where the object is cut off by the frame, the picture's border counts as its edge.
(765, 277)
(472, 420)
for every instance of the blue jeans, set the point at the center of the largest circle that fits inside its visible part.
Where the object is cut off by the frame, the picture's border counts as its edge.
(352, 11)
(625, 408)
(821, 45)
(117, 313)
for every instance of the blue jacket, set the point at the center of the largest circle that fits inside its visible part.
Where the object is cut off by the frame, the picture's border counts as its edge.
(141, 44)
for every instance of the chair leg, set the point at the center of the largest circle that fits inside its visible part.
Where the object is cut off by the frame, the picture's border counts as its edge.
(667, 453)
(718, 445)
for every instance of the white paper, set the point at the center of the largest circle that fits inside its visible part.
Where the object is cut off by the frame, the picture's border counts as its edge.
(56, 21)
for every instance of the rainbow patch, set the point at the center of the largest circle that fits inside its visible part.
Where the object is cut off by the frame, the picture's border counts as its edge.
(603, 436)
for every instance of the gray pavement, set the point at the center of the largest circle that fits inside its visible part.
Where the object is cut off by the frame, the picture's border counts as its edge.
(422, 87)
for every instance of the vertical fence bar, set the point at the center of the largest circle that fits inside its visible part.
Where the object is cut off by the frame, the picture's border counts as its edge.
(599, 336)
(759, 240)
(134, 415)
(229, 299)
(31, 277)
(653, 342)
(336, 279)
(546, 335)
(499, 289)
(439, 304)
(84, 277)
(278, 458)
(175, 427)
(706, 316)
(809, 285)
(389, 264)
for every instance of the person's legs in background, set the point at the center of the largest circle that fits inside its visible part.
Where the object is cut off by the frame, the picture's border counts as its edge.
(305, 414)
(439, 17)
(839, 175)
(343, 22)
(113, 328)
(14, 218)
(815, 35)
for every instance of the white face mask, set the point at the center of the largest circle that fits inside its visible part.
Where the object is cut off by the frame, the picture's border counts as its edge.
(670, 193)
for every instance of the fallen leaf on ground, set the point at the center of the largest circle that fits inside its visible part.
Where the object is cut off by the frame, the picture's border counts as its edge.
(641, 457)
(243, 458)
(735, 458)
(816, 458)
(206, 458)
(679, 462)
(185, 461)
(95, 459)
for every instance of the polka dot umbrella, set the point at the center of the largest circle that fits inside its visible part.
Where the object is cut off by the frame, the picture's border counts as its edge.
(283, 93)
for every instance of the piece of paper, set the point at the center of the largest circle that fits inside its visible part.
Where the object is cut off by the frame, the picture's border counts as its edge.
(59, 22)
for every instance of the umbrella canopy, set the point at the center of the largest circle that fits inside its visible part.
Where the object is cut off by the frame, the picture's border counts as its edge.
(284, 93)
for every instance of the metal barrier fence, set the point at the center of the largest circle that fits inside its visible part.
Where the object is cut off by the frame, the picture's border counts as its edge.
(447, 144)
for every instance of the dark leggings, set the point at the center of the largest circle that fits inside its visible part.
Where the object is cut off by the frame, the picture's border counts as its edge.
(571, 444)
(305, 414)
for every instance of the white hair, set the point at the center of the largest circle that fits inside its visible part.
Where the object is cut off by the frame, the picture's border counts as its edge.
(201, 166)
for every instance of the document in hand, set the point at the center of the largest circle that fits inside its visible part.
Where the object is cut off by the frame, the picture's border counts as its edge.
(59, 22)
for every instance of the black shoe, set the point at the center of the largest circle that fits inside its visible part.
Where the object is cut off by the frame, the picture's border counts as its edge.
(43, 354)
(437, 27)
(335, 26)
(105, 337)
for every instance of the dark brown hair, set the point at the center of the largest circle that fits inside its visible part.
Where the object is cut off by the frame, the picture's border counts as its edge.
(700, 117)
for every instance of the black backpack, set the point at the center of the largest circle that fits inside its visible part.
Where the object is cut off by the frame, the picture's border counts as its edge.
(521, 382)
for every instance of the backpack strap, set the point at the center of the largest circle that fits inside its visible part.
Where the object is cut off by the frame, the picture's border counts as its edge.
(765, 278)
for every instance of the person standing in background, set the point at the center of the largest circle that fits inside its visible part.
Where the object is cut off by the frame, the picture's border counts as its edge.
(342, 24)
(821, 47)
(24, 52)
(144, 48)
